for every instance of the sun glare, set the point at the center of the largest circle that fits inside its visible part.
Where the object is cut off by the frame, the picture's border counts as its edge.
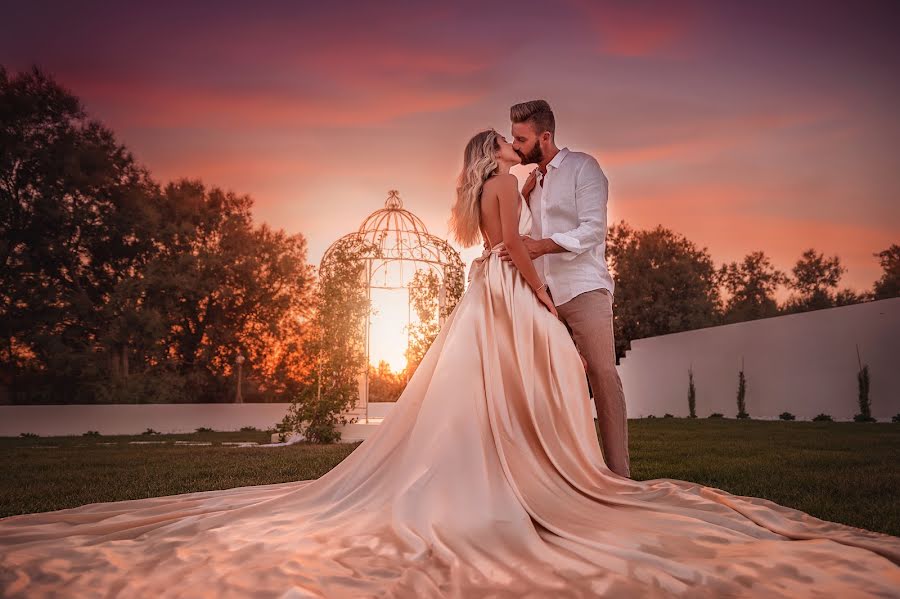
(388, 329)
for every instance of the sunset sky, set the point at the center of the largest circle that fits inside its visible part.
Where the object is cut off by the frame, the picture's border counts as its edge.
(745, 126)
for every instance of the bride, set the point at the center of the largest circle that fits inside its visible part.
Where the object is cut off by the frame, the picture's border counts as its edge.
(486, 480)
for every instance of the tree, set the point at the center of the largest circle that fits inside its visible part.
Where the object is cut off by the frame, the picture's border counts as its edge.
(77, 218)
(815, 279)
(888, 285)
(664, 284)
(751, 286)
(224, 286)
(385, 384)
(113, 289)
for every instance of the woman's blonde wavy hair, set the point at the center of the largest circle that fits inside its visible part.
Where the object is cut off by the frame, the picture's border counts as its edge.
(479, 163)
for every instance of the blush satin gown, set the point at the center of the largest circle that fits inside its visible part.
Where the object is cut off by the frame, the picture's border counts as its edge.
(485, 480)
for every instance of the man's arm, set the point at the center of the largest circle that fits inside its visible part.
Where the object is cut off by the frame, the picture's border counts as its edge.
(591, 194)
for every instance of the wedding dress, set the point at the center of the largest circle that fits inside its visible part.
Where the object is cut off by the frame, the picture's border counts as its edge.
(485, 480)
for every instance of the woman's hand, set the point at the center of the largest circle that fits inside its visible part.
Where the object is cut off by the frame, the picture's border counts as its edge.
(545, 299)
(529, 186)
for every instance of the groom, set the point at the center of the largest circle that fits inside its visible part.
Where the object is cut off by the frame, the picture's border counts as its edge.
(567, 194)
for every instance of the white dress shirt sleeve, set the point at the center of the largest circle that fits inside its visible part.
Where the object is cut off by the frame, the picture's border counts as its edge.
(591, 193)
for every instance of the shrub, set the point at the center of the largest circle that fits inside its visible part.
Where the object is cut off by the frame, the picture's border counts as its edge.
(150, 431)
(203, 429)
(249, 429)
(284, 429)
(787, 416)
(667, 415)
(741, 393)
(692, 395)
(895, 418)
(715, 415)
(29, 435)
(862, 381)
(822, 418)
(91, 434)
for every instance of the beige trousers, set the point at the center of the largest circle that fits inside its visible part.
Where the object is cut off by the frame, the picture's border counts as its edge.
(589, 319)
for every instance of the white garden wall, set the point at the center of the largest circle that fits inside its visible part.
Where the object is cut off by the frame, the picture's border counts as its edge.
(132, 419)
(801, 363)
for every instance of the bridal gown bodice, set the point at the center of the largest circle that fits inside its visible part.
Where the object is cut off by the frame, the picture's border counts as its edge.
(485, 480)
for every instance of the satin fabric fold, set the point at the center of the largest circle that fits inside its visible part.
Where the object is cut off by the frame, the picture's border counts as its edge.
(485, 480)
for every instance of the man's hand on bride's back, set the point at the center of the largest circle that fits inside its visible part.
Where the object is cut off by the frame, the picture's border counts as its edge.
(533, 246)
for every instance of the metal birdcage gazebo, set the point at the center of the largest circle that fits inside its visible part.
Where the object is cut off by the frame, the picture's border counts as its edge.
(400, 246)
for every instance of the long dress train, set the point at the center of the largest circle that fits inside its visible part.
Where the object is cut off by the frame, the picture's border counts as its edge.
(485, 480)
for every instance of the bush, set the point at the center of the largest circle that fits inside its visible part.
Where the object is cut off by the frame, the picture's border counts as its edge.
(865, 404)
(895, 418)
(715, 415)
(150, 431)
(249, 429)
(283, 428)
(787, 416)
(91, 434)
(823, 418)
(650, 416)
(741, 395)
(692, 394)
(203, 429)
(667, 415)
(29, 435)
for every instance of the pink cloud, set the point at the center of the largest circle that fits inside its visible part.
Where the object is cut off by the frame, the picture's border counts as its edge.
(154, 105)
(638, 29)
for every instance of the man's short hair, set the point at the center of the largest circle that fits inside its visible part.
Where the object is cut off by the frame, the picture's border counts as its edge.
(537, 112)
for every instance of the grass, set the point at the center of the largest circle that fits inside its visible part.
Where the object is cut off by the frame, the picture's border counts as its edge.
(841, 471)
(38, 477)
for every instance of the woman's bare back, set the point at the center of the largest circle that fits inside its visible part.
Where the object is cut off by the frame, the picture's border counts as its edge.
(489, 214)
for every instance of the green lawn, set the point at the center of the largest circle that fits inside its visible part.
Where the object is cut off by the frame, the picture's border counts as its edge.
(841, 471)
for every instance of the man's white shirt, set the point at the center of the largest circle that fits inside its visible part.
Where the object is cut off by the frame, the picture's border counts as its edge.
(568, 205)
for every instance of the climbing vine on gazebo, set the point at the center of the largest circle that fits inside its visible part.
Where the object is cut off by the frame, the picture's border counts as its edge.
(337, 340)
(425, 290)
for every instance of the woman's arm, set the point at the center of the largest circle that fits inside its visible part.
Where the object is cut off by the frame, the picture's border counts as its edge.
(507, 187)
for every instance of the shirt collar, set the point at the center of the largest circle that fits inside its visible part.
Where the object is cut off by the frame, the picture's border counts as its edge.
(557, 160)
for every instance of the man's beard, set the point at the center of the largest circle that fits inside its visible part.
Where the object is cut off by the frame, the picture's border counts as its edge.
(533, 157)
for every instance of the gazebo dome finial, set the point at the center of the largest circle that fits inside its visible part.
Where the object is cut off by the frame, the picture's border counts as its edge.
(393, 202)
